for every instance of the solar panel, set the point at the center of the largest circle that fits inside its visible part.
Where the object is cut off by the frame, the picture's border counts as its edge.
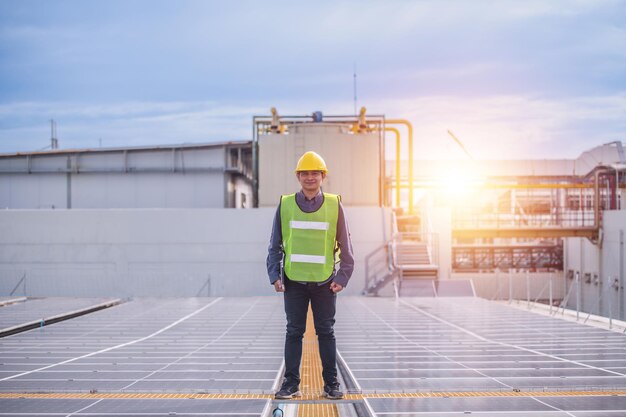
(178, 356)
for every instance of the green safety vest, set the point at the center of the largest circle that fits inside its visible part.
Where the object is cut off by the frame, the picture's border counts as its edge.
(309, 239)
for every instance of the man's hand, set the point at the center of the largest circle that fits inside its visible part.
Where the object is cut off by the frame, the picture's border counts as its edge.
(278, 286)
(334, 287)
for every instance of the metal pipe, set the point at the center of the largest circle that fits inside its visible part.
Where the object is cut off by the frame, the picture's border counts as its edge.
(410, 130)
(536, 300)
(397, 132)
(382, 195)
(528, 289)
(610, 294)
(565, 300)
(255, 165)
(550, 294)
(617, 200)
(578, 293)
(609, 195)
(596, 199)
(22, 280)
(497, 295)
(68, 184)
(620, 296)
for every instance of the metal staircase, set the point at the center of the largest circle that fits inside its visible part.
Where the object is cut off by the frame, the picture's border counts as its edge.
(413, 261)
(408, 260)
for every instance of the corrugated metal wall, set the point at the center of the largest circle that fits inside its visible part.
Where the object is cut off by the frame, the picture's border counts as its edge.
(192, 177)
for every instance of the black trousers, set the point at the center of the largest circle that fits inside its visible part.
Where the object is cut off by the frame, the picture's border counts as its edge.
(297, 297)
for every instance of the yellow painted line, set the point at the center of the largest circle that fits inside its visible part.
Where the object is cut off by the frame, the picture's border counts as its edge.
(318, 410)
(312, 384)
(305, 397)
(456, 394)
(478, 186)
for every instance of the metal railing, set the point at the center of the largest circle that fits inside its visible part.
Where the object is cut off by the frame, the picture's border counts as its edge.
(517, 256)
(557, 305)
(22, 282)
(476, 219)
(579, 206)
(378, 266)
(382, 264)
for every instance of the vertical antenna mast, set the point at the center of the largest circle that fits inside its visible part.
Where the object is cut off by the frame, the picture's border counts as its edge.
(54, 142)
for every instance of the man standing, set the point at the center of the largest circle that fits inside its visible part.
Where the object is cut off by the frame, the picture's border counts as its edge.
(309, 232)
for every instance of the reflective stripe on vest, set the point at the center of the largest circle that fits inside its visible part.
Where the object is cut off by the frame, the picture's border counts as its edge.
(309, 225)
(309, 239)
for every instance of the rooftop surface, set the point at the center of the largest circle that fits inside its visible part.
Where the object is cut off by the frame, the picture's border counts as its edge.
(223, 357)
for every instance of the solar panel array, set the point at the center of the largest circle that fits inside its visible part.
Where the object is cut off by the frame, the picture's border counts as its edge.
(230, 345)
(429, 356)
(470, 345)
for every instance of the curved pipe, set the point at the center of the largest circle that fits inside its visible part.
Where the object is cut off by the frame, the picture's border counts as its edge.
(410, 129)
(397, 132)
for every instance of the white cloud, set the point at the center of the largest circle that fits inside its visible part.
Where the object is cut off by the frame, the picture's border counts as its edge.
(511, 127)
(511, 78)
(495, 127)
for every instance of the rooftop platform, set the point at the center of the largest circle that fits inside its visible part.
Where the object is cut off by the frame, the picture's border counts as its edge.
(223, 357)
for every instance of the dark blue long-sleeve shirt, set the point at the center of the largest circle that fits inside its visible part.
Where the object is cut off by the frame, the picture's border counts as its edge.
(346, 256)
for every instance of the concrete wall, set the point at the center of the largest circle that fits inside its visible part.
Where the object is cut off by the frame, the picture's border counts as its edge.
(596, 280)
(160, 252)
(20, 191)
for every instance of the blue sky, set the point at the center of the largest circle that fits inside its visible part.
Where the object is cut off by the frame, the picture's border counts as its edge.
(511, 79)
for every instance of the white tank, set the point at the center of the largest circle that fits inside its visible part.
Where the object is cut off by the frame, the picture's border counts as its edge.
(353, 161)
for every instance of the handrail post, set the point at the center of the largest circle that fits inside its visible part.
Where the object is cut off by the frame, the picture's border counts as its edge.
(577, 294)
(550, 296)
(565, 300)
(621, 271)
(528, 289)
(609, 288)
(21, 281)
(367, 275)
(497, 296)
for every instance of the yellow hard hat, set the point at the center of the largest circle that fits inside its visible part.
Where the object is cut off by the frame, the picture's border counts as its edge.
(311, 161)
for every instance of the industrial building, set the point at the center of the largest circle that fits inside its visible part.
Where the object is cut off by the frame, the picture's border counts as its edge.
(215, 175)
(473, 280)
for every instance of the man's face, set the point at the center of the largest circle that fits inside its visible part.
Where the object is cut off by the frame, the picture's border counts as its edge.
(310, 180)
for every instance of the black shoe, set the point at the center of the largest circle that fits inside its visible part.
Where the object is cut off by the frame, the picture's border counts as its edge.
(286, 393)
(333, 393)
